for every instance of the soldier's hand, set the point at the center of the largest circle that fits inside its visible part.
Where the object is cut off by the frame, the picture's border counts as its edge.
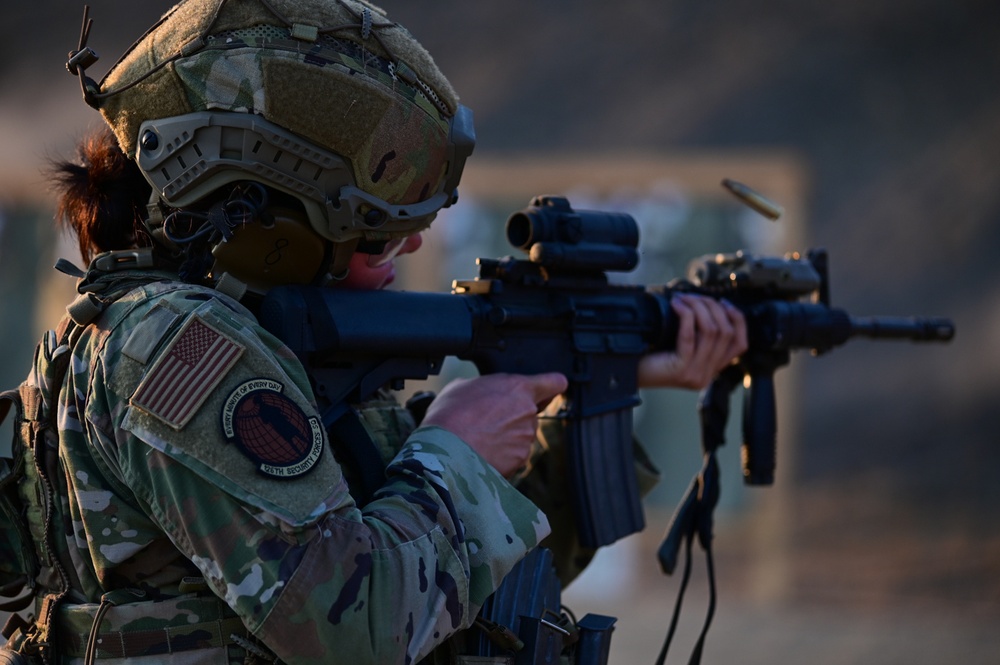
(710, 335)
(497, 414)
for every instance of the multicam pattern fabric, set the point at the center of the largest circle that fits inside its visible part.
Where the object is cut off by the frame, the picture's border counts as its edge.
(329, 51)
(397, 141)
(148, 507)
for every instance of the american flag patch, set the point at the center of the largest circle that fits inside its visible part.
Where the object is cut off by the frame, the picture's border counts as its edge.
(184, 376)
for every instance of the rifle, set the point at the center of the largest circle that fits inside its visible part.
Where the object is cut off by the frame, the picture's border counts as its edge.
(557, 311)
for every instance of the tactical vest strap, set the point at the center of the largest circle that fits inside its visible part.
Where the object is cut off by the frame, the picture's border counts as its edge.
(31, 402)
(85, 308)
(18, 563)
(147, 628)
(38, 446)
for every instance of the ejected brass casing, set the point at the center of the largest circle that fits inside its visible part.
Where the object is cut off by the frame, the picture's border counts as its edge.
(764, 206)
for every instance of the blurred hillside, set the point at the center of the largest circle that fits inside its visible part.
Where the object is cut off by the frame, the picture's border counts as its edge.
(893, 108)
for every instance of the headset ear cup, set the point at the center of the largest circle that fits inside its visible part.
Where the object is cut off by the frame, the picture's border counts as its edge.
(283, 251)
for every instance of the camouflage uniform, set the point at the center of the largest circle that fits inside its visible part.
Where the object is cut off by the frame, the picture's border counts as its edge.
(192, 458)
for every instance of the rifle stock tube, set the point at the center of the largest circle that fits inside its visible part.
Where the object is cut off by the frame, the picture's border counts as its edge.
(324, 321)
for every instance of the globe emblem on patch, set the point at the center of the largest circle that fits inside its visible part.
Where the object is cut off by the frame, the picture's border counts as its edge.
(271, 429)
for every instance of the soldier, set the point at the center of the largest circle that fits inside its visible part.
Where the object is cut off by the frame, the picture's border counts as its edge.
(183, 502)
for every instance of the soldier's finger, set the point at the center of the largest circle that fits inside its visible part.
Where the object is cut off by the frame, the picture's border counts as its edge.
(544, 387)
(738, 344)
(706, 333)
(722, 351)
(684, 348)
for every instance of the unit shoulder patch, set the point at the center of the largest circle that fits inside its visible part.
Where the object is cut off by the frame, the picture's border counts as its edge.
(271, 429)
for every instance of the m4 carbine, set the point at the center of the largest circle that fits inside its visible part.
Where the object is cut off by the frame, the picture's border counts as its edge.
(557, 311)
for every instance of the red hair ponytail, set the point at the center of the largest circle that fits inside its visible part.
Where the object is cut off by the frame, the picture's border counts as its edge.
(102, 196)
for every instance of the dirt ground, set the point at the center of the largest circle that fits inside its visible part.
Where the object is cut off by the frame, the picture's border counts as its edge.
(747, 633)
(840, 600)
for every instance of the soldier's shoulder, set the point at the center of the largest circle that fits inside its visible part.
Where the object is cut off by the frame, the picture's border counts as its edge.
(149, 306)
(142, 324)
(191, 375)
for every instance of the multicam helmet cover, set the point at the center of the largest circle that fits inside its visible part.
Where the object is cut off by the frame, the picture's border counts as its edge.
(326, 100)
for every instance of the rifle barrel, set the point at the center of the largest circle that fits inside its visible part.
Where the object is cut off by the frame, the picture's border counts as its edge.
(912, 328)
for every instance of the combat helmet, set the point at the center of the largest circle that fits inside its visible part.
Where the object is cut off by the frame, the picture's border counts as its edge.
(327, 101)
